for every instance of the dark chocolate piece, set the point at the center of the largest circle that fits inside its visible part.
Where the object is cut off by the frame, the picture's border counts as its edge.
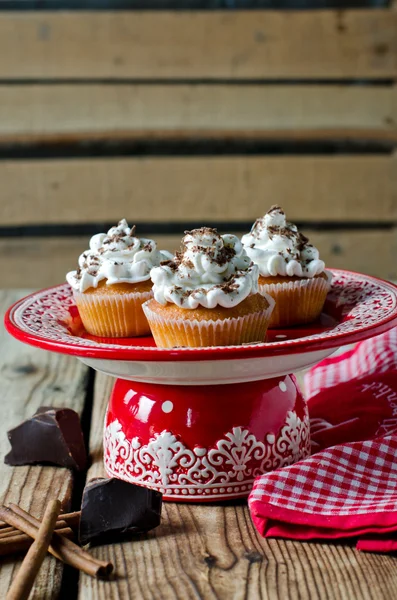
(52, 436)
(112, 508)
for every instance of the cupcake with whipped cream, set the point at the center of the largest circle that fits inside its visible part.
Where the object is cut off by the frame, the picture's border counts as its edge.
(207, 295)
(290, 269)
(113, 281)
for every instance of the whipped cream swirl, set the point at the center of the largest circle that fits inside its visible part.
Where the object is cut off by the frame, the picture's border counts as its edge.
(210, 270)
(278, 248)
(117, 256)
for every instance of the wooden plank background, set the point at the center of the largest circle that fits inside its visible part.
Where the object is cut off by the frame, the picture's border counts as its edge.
(176, 119)
(186, 45)
(207, 189)
(71, 113)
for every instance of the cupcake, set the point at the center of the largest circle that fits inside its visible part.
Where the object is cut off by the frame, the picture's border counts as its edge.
(207, 295)
(113, 281)
(290, 269)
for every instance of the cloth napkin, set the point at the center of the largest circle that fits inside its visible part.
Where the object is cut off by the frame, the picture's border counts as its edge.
(348, 487)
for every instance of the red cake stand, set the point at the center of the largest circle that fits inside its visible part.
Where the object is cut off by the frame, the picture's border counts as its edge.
(199, 424)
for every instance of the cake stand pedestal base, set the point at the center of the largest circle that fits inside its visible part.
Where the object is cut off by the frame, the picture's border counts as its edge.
(204, 443)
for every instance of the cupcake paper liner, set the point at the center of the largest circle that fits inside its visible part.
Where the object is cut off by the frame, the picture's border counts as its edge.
(297, 302)
(116, 315)
(171, 333)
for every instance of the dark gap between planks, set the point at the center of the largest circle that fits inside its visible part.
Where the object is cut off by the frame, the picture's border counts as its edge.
(198, 81)
(177, 228)
(70, 576)
(108, 148)
(186, 5)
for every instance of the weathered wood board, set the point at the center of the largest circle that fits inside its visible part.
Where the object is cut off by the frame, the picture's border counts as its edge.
(315, 189)
(209, 45)
(30, 378)
(68, 113)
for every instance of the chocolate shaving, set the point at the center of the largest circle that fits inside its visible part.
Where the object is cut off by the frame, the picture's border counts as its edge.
(275, 208)
(198, 291)
(302, 241)
(201, 231)
(170, 264)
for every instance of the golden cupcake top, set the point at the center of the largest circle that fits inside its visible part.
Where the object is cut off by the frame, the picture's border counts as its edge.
(210, 270)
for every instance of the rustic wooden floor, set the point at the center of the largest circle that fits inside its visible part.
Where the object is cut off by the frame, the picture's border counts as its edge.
(198, 552)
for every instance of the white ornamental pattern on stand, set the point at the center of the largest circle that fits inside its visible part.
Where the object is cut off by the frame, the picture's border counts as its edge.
(363, 302)
(166, 464)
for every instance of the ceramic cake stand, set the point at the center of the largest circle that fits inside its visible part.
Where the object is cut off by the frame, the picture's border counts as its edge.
(201, 424)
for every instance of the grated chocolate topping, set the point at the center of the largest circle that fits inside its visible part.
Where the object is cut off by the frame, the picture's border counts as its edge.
(209, 269)
(116, 256)
(278, 248)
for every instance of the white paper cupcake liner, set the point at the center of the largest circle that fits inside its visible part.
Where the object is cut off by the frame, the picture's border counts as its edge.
(171, 333)
(115, 315)
(297, 301)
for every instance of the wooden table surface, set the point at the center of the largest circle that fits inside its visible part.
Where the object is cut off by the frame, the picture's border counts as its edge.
(208, 552)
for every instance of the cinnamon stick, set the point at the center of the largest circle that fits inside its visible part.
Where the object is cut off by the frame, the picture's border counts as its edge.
(24, 580)
(22, 542)
(61, 547)
(72, 519)
(12, 532)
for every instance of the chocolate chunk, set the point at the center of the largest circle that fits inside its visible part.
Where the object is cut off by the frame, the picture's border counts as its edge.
(52, 436)
(112, 508)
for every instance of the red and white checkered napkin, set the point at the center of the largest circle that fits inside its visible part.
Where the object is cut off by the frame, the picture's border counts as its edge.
(348, 490)
(376, 355)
